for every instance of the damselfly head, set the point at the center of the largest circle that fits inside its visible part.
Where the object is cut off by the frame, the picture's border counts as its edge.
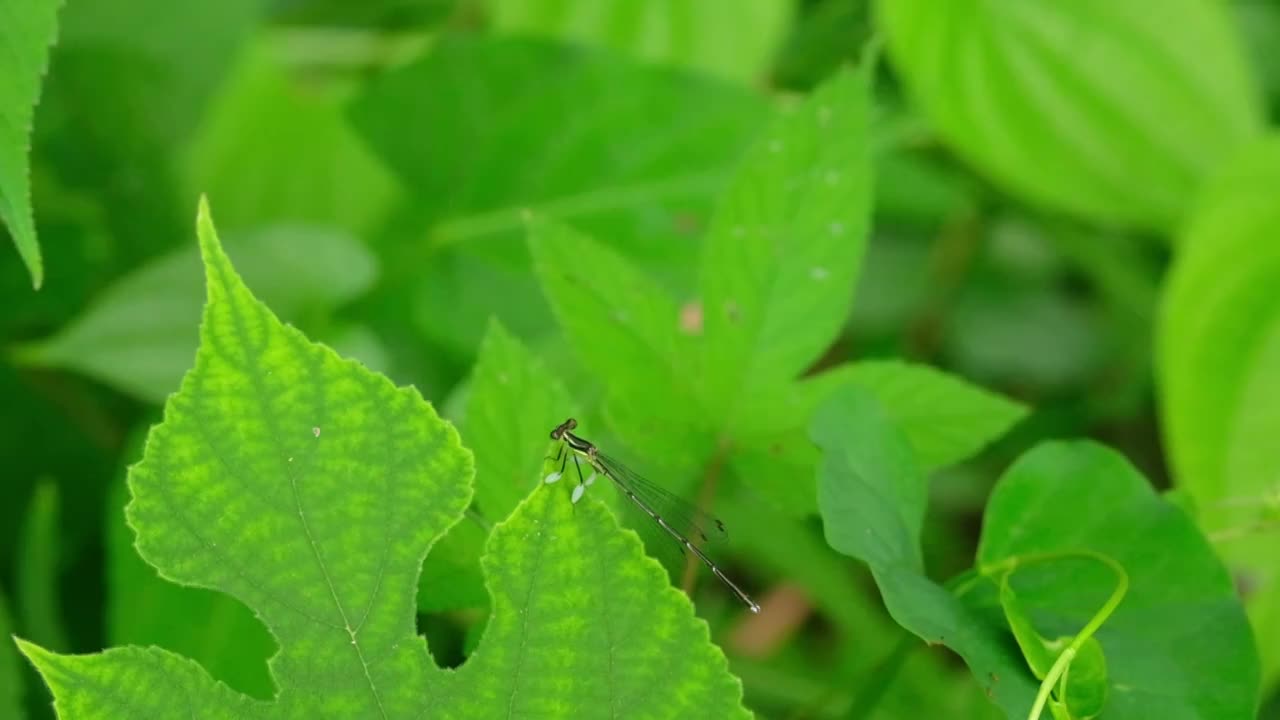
(563, 427)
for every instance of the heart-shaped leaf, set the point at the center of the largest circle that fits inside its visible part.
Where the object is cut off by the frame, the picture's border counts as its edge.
(1180, 618)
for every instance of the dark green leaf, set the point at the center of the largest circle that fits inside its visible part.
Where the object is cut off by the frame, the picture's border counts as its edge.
(1180, 613)
(1181, 617)
(536, 126)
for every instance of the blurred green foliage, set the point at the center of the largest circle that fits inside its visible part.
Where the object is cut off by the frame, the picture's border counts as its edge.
(690, 224)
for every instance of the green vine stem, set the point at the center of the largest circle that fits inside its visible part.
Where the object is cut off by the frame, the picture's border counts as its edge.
(1059, 669)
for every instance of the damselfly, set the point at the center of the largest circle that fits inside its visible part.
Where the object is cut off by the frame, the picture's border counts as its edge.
(659, 505)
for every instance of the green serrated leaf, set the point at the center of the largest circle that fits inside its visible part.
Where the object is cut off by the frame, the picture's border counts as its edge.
(133, 682)
(139, 336)
(513, 403)
(11, 690)
(1087, 107)
(311, 489)
(585, 625)
(1218, 348)
(946, 418)
(304, 486)
(38, 599)
(624, 329)
(211, 628)
(785, 245)
(27, 30)
(1181, 616)
(674, 32)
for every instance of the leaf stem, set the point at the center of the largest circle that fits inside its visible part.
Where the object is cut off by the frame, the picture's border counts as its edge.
(1059, 669)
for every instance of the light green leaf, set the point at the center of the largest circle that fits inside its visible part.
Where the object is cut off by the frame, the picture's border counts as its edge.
(1218, 357)
(535, 126)
(211, 628)
(1087, 107)
(277, 148)
(625, 330)
(513, 404)
(27, 29)
(785, 246)
(584, 625)
(133, 682)
(38, 599)
(1181, 617)
(945, 418)
(139, 336)
(303, 485)
(674, 32)
(11, 690)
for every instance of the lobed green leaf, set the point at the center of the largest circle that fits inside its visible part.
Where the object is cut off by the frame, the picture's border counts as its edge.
(304, 486)
(211, 628)
(513, 403)
(584, 626)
